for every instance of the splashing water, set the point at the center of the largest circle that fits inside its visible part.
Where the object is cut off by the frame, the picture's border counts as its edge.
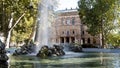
(45, 18)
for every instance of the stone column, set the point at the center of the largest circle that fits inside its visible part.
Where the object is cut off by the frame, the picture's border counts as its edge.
(59, 40)
(86, 41)
(81, 41)
(76, 40)
(91, 40)
(70, 40)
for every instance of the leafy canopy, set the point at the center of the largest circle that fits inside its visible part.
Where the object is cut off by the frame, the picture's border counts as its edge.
(96, 13)
(25, 26)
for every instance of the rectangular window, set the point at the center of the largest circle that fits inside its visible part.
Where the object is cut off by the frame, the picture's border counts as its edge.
(73, 32)
(67, 33)
(61, 20)
(68, 21)
(73, 21)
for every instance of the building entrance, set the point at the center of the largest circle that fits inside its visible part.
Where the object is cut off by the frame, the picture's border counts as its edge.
(67, 40)
(72, 39)
(61, 39)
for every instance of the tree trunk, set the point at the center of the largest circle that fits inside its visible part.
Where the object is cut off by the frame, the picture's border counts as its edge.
(9, 32)
(103, 45)
(102, 32)
(8, 39)
(32, 35)
(11, 28)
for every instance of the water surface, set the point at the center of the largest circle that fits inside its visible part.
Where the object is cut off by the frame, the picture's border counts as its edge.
(70, 60)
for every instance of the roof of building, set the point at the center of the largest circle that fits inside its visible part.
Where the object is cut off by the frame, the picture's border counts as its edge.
(66, 10)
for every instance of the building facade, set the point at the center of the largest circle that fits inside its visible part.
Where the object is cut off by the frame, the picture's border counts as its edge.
(69, 29)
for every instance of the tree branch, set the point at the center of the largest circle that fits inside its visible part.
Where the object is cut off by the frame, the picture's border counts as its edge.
(17, 21)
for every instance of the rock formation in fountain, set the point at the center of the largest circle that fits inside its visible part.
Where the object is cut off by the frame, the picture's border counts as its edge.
(76, 48)
(3, 56)
(46, 51)
(73, 47)
(27, 48)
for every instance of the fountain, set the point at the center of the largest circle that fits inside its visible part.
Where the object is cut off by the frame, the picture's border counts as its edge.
(43, 35)
(43, 32)
(70, 60)
(45, 15)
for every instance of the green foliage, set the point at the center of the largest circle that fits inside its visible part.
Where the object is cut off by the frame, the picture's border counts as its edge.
(114, 39)
(95, 13)
(4, 16)
(99, 15)
(25, 27)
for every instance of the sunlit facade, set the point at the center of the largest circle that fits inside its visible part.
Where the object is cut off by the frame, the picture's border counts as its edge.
(69, 29)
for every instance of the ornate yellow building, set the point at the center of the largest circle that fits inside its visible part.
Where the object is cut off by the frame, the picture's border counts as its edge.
(67, 28)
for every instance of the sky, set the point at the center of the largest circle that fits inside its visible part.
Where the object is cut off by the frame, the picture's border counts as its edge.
(63, 4)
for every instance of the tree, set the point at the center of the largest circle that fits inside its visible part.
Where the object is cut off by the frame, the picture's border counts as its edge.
(98, 15)
(15, 11)
(24, 29)
(114, 39)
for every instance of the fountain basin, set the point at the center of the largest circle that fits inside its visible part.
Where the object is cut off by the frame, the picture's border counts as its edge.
(70, 60)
